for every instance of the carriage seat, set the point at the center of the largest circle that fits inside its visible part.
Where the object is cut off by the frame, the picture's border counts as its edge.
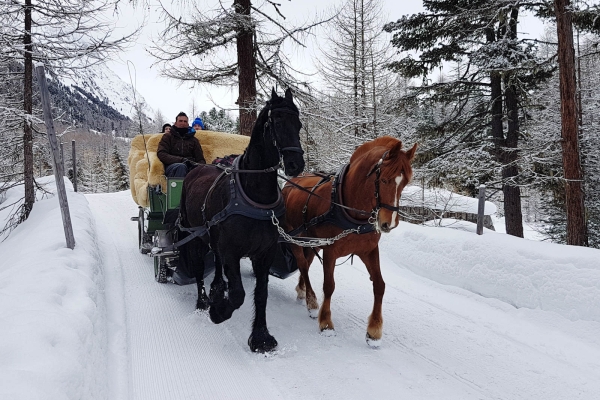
(148, 170)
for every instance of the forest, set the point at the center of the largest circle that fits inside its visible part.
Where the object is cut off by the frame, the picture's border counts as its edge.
(486, 103)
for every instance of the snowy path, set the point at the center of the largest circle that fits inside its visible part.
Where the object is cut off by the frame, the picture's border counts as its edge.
(440, 342)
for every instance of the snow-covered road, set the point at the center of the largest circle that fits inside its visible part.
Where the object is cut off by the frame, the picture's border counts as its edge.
(440, 342)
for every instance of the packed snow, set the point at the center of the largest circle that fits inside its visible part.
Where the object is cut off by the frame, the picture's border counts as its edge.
(465, 317)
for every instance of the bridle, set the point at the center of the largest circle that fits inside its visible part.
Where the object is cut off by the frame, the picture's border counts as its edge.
(269, 125)
(377, 169)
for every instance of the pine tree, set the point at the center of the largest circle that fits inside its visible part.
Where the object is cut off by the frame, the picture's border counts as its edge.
(120, 172)
(482, 98)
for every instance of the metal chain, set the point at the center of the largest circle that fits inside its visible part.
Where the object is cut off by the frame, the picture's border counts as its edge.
(313, 242)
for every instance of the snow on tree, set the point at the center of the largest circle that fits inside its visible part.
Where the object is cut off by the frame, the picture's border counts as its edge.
(65, 36)
(223, 45)
(482, 98)
(120, 172)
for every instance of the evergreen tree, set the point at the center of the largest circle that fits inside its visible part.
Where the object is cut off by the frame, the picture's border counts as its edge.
(483, 97)
(218, 121)
(120, 172)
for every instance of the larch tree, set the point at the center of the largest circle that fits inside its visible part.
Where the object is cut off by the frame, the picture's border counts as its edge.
(352, 66)
(232, 44)
(573, 174)
(65, 35)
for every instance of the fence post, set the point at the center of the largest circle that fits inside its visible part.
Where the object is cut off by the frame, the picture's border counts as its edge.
(60, 183)
(62, 159)
(74, 162)
(481, 209)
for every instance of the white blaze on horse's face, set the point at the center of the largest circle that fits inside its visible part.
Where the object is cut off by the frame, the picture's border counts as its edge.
(382, 223)
(396, 202)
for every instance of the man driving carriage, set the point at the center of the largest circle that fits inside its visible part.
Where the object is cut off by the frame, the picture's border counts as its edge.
(179, 150)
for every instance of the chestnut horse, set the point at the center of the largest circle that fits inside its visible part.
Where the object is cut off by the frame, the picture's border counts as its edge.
(360, 203)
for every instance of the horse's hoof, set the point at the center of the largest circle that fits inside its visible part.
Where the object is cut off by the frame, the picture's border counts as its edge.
(202, 303)
(301, 294)
(373, 343)
(313, 313)
(262, 343)
(216, 313)
(328, 332)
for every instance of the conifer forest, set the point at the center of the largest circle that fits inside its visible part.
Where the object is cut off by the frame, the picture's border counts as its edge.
(487, 101)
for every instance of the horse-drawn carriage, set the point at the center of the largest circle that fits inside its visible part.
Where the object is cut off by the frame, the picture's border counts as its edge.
(158, 198)
(240, 211)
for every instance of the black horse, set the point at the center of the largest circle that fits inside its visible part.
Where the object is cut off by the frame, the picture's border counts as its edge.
(236, 206)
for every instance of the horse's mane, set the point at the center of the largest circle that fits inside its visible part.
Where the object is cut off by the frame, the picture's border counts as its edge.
(383, 141)
(276, 102)
(394, 165)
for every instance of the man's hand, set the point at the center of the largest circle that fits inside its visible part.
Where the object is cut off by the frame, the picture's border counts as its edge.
(190, 164)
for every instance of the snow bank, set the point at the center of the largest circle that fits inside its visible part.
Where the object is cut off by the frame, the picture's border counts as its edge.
(442, 199)
(52, 313)
(524, 273)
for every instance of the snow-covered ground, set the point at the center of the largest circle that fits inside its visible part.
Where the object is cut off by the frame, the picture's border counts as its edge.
(465, 317)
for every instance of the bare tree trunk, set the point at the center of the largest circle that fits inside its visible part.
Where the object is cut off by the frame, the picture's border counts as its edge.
(355, 68)
(247, 71)
(28, 108)
(512, 193)
(576, 224)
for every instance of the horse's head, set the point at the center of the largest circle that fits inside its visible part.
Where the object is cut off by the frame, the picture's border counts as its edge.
(389, 168)
(283, 123)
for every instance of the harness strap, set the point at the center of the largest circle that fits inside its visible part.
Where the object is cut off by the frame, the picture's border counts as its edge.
(322, 198)
(336, 214)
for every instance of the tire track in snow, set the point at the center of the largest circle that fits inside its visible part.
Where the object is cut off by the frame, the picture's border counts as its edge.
(173, 352)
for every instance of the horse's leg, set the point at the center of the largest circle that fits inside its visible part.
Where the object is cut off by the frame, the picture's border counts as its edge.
(304, 289)
(192, 255)
(375, 327)
(218, 286)
(222, 309)
(325, 323)
(301, 262)
(260, 339)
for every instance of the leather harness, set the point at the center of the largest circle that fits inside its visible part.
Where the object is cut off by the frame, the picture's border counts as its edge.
(337, 214)
(239, 204)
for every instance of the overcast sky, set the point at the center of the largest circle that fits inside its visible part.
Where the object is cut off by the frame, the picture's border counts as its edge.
(171, 97)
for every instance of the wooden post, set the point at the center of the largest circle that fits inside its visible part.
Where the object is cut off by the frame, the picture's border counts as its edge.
(62, 159)
(74, 162)
(60, 183)
(481, 209)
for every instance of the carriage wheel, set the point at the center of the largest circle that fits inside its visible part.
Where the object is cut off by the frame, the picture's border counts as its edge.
(160, 269)
(143, 238)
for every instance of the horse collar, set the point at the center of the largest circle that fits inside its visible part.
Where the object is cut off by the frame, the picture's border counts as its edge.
(336, 194)
(242, 194)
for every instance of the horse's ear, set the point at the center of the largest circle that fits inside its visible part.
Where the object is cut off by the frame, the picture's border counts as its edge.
(411, 153)
(395, 150)
(288, 94)
(273, 94)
